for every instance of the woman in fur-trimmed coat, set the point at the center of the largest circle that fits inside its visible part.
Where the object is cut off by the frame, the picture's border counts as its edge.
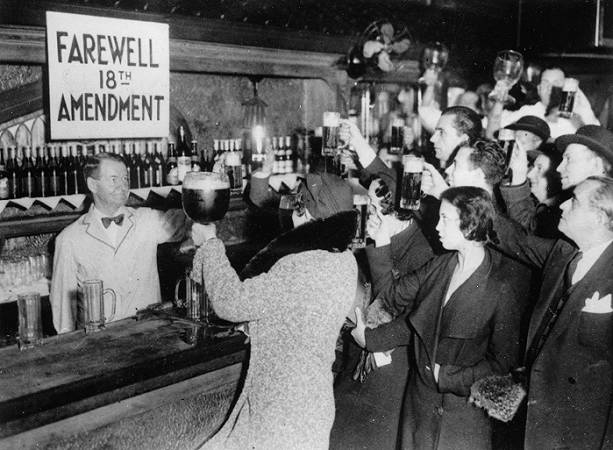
(301, 287)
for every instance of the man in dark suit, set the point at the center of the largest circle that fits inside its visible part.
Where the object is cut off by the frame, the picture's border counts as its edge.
(569, 355)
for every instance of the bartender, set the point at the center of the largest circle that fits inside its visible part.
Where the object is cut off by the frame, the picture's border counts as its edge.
(113, 243)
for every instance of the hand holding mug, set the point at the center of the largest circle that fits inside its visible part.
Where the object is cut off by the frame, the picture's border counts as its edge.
(432, 182)
(350, 135)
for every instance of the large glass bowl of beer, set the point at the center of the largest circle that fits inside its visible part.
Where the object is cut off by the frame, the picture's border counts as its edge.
(205, 196)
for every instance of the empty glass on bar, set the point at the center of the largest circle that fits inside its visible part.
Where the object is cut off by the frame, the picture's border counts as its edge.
(567, 101)
(92, 297)
(30, 320)
(397, 142)
(410, 192)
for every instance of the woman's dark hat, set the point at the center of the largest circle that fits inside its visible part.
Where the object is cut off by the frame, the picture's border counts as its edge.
(533, 124)
(326, 194)
(596, 138)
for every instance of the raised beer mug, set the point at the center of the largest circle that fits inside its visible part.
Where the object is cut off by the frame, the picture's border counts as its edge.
(205, 196)
(410, 193)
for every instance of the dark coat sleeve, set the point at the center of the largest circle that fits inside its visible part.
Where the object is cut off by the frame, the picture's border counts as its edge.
(503, 347)
(518, 243)
(521, 205)
(412, 251)
(378, 169)
(388, 336)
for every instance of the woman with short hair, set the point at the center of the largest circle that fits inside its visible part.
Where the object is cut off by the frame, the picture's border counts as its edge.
(464, 319)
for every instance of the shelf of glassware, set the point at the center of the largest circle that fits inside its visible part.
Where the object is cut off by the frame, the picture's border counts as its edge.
(23, 274)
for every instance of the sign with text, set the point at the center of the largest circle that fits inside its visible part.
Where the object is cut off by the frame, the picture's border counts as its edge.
(108, 78)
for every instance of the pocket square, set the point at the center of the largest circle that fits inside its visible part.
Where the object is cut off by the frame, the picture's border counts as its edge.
(598, 305)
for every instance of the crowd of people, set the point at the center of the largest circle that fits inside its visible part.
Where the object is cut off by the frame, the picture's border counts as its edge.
(504, 269)
(487, 278)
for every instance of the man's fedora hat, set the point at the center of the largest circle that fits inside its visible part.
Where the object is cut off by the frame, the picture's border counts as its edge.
(596, 138)
(533, 124)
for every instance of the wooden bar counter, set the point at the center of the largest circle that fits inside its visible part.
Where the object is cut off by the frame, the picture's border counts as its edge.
(73, 375)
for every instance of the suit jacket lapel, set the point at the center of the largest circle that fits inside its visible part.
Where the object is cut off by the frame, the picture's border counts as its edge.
(95, 228)
(552, 287)
(464, 302)
(424, 320)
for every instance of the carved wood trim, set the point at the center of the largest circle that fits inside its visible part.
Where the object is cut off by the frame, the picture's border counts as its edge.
(27, 45)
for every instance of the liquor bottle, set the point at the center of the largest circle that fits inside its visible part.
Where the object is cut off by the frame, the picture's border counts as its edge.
(82, 153)
(234, 171)
(137, 167)
(148, 166)
(289, 155)
(53, 169)
(12, 168)
(42, 177)
(158, 166)
(64, 170)
(275, 163)
(4, 178)
(172, 169)
(195, 158)
(184, 162)
(244, 165)
(28, 174)
(73, 170)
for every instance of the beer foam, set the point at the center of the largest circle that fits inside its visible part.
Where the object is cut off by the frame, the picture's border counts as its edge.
(233, 159)
(412, 164)
(506, 135)
(209, 183)
(398, 122)
(570, 85)
(331, 119)
(360, 199)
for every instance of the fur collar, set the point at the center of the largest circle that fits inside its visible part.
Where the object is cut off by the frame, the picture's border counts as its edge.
(332, 234)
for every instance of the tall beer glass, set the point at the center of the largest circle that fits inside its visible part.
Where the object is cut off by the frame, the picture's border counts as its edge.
(410, 193)
(397, 136)
(567, 102)
(205, 197)
(330, 133)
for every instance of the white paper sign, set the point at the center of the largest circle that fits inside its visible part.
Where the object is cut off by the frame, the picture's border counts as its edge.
(108, 78)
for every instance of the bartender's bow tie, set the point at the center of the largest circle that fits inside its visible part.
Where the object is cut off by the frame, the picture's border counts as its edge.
(106, 221)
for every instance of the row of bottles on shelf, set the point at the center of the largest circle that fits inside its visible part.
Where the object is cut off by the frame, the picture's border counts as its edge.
(57, 169)
(53, 170)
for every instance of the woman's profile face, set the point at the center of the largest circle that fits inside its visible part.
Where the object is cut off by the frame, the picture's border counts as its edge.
(448, 227)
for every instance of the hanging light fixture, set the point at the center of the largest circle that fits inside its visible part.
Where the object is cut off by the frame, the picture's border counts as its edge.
(254, 120)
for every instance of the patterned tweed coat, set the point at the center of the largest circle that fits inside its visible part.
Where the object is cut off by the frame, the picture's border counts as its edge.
(295, 311)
